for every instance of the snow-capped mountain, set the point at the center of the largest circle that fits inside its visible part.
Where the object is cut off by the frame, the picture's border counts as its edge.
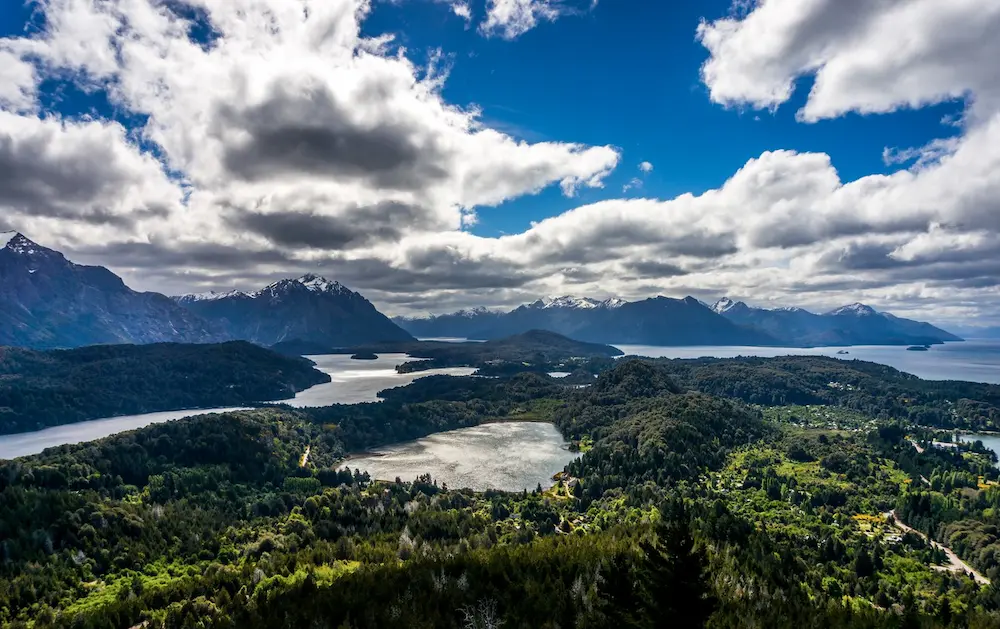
(46, 302)
(854, 324)
(657, 321)
(578, 303)
(210, 296)
(857, 310)
(664, 321)
(723, 305)
(309, 308)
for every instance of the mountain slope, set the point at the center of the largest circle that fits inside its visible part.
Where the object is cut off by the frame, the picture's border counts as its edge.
(309, 308)
(46, 301)
(656, 321)
(855, 324)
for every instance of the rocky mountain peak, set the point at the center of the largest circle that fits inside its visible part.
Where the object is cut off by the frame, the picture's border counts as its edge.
(17, 242)
(856, 309)
(318, 284)
(726, 304)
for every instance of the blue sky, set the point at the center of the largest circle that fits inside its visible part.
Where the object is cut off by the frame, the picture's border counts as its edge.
(627, 73)
(293, 142)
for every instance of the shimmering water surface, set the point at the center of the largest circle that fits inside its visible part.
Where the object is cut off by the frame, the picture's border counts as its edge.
(973, 360)
(507, 456)
(353, 381)
(356, 381)
(25, 443)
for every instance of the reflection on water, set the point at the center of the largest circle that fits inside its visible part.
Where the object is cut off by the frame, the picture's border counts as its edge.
(507, 456)
(356, 381)
(353, 381)
(973, 360)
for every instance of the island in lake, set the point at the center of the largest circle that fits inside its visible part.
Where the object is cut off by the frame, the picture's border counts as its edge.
(918, 348)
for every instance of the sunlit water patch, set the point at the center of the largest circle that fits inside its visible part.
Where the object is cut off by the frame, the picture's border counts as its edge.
(509, 456)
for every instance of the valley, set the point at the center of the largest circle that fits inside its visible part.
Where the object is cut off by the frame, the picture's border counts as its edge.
(774, 496)
(499, 314)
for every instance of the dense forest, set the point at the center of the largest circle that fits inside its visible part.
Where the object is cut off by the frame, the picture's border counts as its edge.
(48, 388)
(688, 507)
(876, 390)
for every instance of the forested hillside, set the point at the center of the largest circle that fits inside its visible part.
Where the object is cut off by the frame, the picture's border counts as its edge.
(876, 390)
(683, 505)
(39, 389)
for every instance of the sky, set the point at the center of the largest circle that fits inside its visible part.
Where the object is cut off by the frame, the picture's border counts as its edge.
(441, 154)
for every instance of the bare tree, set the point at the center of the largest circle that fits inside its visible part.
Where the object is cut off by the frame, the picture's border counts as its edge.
(482, 616)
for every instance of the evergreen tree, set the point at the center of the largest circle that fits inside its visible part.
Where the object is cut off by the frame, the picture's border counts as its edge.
(675, 587)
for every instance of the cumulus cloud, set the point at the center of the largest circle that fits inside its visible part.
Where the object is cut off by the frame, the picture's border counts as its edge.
(84, 171)
(285, 123)
(287, 142)
(17, 81)
(867, 57)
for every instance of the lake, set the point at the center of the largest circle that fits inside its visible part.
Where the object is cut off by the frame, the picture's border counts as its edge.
(356, 381)
(992, 442)
(973, 360)
(353, 381)
(508, 456)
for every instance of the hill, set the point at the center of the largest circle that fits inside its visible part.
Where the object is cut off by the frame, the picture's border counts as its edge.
(39, 389)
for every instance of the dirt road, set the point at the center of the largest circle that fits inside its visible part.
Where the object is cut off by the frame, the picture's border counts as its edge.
(954, 563)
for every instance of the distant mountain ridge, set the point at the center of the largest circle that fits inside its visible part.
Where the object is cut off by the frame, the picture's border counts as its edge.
(655, 321)
(48, 302)
(310, 309)
(853, 324)
(674, 322)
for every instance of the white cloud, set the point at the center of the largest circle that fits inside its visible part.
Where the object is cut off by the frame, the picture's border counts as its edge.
(633, 184)
(54, 174)
(286, 110)
(297, 144)
(510, 19)
(462, 10)
(867, 57)
(17, 81)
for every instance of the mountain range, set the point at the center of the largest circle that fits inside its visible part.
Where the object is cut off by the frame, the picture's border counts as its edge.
(855, 324)
(48, 302)
(310, 308)
(676, 322)
(655, 321)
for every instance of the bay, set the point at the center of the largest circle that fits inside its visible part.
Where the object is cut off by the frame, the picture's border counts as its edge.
(508, 456)
(976, 360)
(353, 381)
(991, 441)
(356, 381)
(25, 443)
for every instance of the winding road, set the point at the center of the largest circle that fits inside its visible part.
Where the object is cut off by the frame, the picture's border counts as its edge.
(954, 563)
